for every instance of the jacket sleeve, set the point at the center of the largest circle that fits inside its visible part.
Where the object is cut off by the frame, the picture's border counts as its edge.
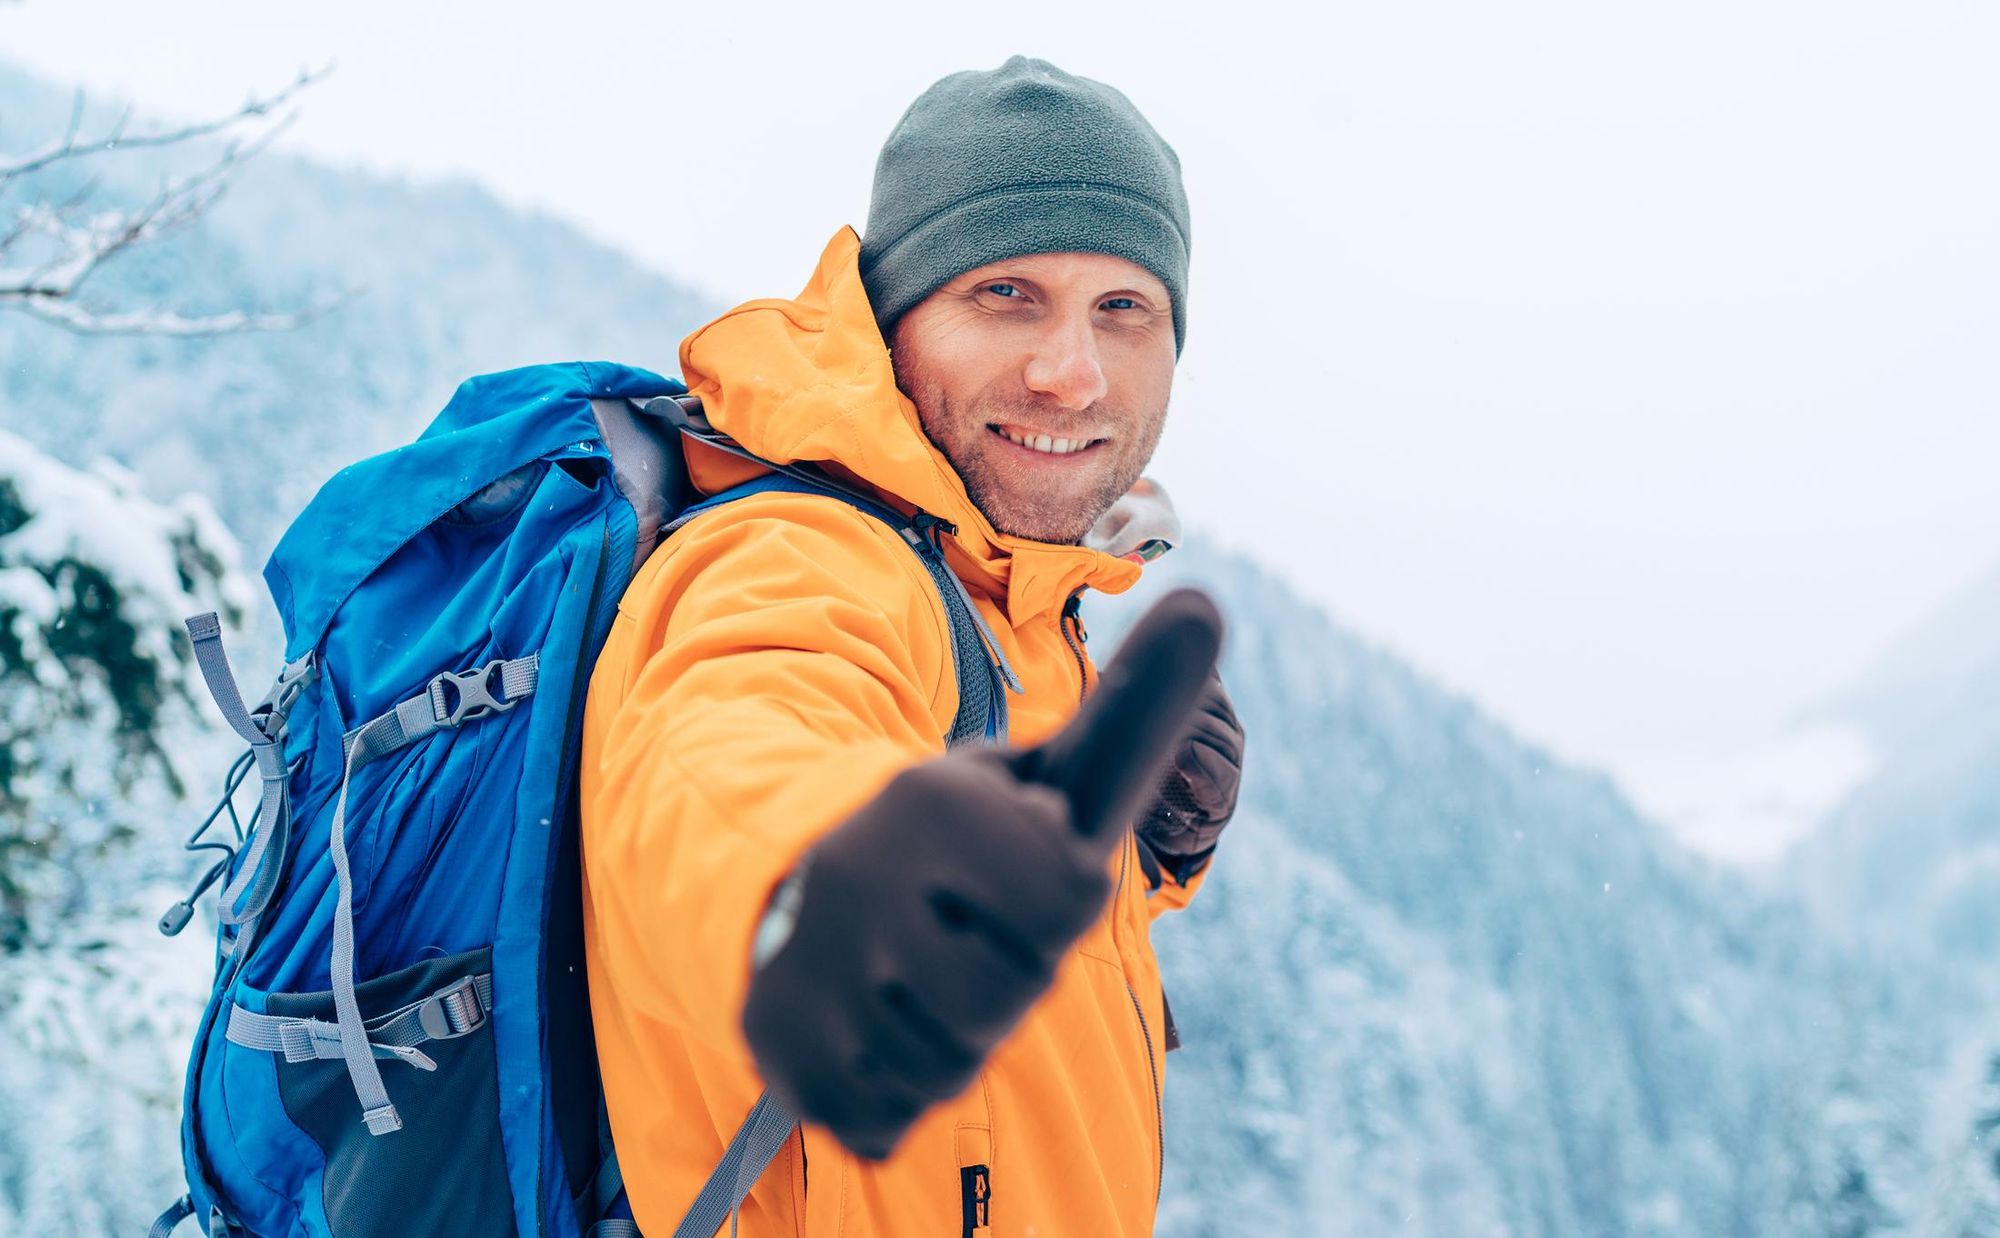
(771, 668)
(1171, 880)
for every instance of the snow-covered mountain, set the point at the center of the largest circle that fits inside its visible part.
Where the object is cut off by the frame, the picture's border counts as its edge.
(1912, 860)
(1915, 851)
(1441, 984)
(445, 282)
(1438, 984)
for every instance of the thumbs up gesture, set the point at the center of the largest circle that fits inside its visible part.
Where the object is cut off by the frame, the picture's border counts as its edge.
(929, 921)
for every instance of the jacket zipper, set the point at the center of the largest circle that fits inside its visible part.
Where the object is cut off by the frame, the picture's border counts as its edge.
(805, 1179)
(1152, 1068)
(1072, 622)
(1072, 618)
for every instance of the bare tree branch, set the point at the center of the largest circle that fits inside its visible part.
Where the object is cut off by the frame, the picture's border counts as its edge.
(80, 249)
(74, 317)
(57, 246)
(69, 148)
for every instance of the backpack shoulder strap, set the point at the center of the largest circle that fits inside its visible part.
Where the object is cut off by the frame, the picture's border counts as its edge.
(984, 675)
(984, 678)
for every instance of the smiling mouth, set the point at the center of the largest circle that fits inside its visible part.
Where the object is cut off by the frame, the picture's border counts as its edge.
(1045, 444)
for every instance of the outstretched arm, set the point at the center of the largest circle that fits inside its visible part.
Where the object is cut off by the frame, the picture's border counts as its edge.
(774, 665)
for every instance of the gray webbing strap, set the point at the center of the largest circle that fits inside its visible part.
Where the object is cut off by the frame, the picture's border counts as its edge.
(376, 1111)
(264, 731)
(609, 1180)
(615, 1227)
(607, 1185)
(1000, 661)
(983, 677)
(170, 1220)
(180, 1210)
(765, 1129)
(458, 1009)
(271, 716)
(811, 477)
(822, 482)
(982, 697)
(449, 700)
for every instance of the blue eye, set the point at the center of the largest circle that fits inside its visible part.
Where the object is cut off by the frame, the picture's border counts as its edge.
(1121, 303)
(1005, 290)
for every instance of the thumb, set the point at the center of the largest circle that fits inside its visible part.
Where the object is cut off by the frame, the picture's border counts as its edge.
(1109, 757)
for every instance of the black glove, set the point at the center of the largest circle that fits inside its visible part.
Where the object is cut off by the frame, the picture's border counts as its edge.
(1197, 795)
(930, 920)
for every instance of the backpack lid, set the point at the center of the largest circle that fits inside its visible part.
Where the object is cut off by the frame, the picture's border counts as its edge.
(494, 424)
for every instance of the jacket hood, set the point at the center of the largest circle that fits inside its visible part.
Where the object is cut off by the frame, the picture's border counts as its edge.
(810, 379)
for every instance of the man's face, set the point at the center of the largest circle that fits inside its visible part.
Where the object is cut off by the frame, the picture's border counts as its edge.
(1044, 380)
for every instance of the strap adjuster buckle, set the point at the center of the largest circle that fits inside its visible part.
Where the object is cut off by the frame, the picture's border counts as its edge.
(452, 1012)
(461, 696)
(272, 715)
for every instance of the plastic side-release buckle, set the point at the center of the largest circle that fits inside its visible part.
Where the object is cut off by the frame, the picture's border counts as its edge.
(461, 696)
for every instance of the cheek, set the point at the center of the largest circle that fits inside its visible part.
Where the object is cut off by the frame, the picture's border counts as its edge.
(958, 402)
(1141, 369)
(1144, 396)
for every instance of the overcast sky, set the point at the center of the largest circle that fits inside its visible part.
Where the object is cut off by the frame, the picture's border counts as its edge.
(1633, 368)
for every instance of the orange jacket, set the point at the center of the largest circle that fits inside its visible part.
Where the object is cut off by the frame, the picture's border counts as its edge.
(771, 667)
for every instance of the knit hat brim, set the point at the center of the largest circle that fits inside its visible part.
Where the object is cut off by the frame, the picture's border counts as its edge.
(1061, 217)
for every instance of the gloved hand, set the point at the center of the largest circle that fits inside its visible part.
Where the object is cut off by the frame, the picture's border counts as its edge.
(1197, 794)
(929, 921)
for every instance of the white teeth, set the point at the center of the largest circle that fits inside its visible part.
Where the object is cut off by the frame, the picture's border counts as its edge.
(1045, 443)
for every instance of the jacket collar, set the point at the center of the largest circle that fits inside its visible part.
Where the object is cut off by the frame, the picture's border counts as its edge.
(810, 379)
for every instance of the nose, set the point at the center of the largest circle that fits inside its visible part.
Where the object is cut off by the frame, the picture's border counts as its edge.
(1065, 365)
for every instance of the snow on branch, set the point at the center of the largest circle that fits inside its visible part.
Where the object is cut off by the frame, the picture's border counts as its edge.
(69, 147)
(166, 322)
(50, 248)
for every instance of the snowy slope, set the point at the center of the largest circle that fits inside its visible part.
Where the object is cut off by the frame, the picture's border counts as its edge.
(1913, 858)
(1439, 984)
(1915, 852)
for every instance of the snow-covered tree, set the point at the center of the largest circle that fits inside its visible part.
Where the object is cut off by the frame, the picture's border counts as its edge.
(107, 745)
(1968, 1196)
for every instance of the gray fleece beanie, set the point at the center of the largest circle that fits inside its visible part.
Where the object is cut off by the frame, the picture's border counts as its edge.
(1023, 159)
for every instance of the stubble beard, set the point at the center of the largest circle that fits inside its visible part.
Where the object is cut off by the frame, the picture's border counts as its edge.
(1059, 519)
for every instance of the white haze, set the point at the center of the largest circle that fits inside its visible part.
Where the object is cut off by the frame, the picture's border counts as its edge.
(1631, 368)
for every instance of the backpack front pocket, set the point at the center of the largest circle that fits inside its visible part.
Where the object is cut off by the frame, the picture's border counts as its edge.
(430, 1025)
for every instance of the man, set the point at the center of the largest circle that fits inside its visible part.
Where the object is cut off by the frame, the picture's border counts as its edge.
(955, 988)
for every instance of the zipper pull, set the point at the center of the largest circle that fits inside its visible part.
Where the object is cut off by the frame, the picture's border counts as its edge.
(1073, 611)
(1069, 624)
(934, 529)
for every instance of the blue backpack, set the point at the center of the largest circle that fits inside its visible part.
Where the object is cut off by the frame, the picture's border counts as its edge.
(398, 1039)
